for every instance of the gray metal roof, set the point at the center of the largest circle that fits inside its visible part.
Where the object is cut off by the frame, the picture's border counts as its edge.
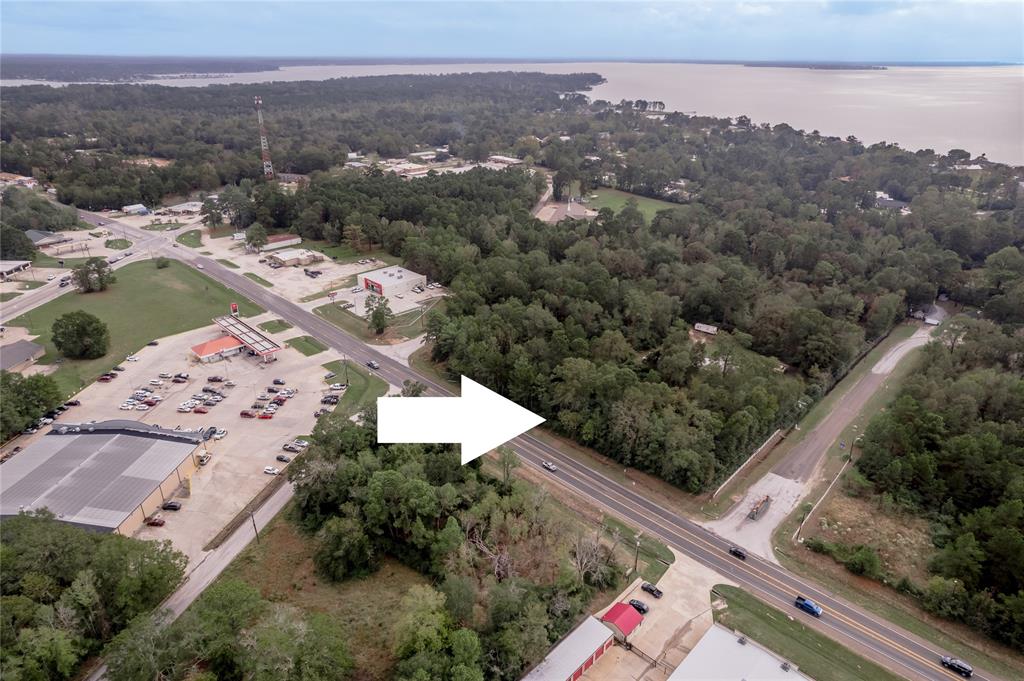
(571, 652)
(15, 353)
(250, 337)
(719, 656)
(92, 479)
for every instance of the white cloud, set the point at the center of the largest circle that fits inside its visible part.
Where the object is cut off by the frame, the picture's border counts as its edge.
(758, 10)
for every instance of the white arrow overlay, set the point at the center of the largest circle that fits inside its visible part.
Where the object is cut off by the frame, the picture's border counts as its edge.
(479, 420)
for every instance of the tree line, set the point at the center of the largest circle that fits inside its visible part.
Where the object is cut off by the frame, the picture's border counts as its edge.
(22, 210)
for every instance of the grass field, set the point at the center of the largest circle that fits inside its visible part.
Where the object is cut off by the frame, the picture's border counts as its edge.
(193, 238)
(307, 345)
(420, 361)
(345, 253)
(363, 389)
(221, 231)
(616, 200)
(44, 260)
(653, 557)
(30, 285)
(403, 327)
(163, 226)
(8, 295)
(144, 304)
(117, 244)
(258, 279)
(817, 656)
(275, 326)
(348, 282)
(227, 263)
(281, 567)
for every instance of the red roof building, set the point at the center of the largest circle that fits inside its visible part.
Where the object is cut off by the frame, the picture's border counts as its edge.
(212, 350)
(623, 619)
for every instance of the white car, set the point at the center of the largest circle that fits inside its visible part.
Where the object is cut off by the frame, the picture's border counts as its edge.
(549, 466)
(337, 386)
(126, 407)
(399, 296)
(216, 398)
(132, 358)
(229, 384)
(198, 266)
(220, 434)
(156, 381)
(51, 277)
(270, 470)
(142, 407)
(184, 410)
(166, 374)
(156, 398)
(301, 444)
(357, 289)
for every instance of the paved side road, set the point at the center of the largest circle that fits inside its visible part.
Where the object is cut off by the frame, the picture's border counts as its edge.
(896, 649)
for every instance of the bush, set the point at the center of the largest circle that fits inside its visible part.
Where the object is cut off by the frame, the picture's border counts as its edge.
(162, 263)
(864, 561)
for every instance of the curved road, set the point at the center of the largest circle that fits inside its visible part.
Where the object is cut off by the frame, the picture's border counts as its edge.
(892, 647)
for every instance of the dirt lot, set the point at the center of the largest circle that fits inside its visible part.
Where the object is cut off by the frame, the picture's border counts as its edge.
(235, 473)
(670, 630)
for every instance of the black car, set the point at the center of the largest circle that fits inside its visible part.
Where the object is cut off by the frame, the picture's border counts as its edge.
(272, 389)
(72, 403)
(210, 403)
(171, 506)
(373, 365)
(119, 368)
(653, 590)
(278, 381)
(738, 552)
(640, 606)
(214, 379)
(152, 343)
(958, 665)
(282, 458)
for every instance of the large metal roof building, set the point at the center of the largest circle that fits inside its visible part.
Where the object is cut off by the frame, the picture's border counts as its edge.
(105, 476)
(722, 654)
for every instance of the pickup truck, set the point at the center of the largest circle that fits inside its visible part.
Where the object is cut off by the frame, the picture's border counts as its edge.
(808, 606)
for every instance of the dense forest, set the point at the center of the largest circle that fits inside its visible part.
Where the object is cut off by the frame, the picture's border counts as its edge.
(65, 592)
(951, 447)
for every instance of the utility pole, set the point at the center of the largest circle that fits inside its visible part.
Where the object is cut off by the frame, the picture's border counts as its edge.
(636, 556)
(268, 167)
(255, 531)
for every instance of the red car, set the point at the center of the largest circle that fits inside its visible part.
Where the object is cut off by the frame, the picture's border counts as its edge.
(248, 414)
(265, 415)
(155, 521)
(201, 410)
(104, 379)
(150, 403)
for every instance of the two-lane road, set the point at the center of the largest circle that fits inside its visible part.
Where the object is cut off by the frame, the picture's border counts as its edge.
(892, 647)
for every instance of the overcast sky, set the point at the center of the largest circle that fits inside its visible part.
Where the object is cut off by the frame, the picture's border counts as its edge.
(892, 30)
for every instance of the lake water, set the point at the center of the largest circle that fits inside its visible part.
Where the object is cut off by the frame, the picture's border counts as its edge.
(980, 109)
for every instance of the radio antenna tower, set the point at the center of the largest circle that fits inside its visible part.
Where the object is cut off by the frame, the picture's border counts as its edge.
(268, 167)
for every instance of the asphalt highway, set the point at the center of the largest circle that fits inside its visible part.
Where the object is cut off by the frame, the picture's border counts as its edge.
(890, 646)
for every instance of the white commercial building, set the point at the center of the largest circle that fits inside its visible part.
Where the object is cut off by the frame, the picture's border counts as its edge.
(134, 209)
(722, 654)
(392, 280)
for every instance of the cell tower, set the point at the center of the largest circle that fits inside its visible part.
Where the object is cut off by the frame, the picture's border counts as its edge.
(268, 167)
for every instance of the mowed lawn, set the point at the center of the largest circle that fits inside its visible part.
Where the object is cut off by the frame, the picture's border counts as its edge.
(409, 324)
(193, 238)
(817, 656)
(281, 567)
(307, 345)
(616, 200)
(145, 304)
(363, 388)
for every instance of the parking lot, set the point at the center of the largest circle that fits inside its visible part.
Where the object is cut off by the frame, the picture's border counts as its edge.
(671, 628)
(235, 471)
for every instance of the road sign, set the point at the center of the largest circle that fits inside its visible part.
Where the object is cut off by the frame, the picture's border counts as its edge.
(479, 420)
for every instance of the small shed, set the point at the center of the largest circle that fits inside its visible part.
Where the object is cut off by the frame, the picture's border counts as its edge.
(135, 209)
(623, 619)
(709, 329)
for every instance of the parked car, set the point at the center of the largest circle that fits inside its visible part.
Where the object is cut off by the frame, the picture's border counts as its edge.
(301, 444)
(547, 465)
(329, 399)
(640, 606)
(165, 374)
(201, 410)
(278, 381)
(178, 379)
(155, 521)
(958, 665)
(204, 459)
(142, 407)
(150, 403)
(738, 552)
(73, 403)
(373, 364)
(229, 384)
(132, 358)
(126, 407)
(153, 342)
(182, 409)
(263, 397)
(156, 381)
(329, 375)
(808, 606)
(181, 375)
(282, 458)
(171, 506)
(266, 415)
(337, 386)
(220, 434)
(215, 379)
(270, 470)
(272, 389)
(653, 590)
(289, 447)
(119, 368)
(247, 414)
(209, 403)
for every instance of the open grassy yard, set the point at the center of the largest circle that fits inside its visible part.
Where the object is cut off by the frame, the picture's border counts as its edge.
(163, 226)
(653, 557)
(222, 230)
(44, 260)
(363, 388)
(403, 327)
(258, 279)
(8, 295)
(193, 238)
(345, 253)
(616, 200)
(31, 285)
(817, 656)
(117, 244)
(421, 362)
(307, 345)
(275, 326)
(281, 567)
(146, 303)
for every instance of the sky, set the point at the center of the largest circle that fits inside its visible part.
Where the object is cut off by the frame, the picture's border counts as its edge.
(821, 30)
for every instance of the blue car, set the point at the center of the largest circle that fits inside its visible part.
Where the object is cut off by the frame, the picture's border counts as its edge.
(808, 606)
